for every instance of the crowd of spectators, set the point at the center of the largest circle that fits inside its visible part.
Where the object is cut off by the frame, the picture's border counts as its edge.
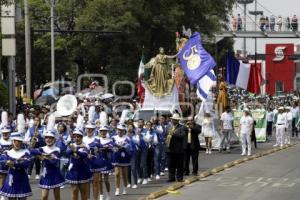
(268, 23)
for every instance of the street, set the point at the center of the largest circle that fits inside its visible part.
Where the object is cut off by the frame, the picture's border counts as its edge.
(275, 176)
(205, 162)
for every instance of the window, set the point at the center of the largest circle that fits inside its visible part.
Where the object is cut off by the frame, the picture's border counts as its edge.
(279, 87)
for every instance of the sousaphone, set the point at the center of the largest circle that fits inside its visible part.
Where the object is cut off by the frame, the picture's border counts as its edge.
(66, 105)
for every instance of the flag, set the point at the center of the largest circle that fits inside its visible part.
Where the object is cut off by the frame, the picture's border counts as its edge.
(205, 84)
(194, 59)
(140, 86)
(243, 75)
(255, 79)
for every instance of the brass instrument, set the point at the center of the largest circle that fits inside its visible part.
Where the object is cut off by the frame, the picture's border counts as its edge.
(169, 136)
(35, 138)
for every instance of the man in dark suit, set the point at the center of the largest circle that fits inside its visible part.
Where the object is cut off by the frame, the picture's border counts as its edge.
(193, 147)
(176, 144)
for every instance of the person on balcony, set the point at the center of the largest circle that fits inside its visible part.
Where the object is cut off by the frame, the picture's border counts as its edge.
(279, 23)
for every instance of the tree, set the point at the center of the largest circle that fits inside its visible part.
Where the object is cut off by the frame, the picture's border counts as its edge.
(148, 23)
(3, 95)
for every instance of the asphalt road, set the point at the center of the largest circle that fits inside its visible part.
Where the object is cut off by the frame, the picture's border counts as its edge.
(275, 176)
(205, 162)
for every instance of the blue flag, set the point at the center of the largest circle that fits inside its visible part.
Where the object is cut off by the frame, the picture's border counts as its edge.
(195, 60)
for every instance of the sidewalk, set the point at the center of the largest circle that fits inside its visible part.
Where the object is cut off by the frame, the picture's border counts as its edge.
(275, 176)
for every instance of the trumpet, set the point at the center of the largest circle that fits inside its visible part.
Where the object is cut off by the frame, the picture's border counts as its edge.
(169, 136)
(35, 138)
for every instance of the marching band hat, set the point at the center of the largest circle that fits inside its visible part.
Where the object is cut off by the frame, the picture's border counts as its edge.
(50, 133)
(5, 129)
(121, 127)
(16, 136)
(78, 131)
(103, 128)
(90, 125)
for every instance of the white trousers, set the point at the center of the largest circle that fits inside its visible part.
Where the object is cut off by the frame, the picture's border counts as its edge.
(288, 132)
(280, 134)
(246, 143)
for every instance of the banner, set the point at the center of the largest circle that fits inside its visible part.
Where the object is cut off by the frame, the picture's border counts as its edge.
(260, 116)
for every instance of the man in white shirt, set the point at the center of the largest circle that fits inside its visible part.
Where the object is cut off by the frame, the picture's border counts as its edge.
(246, 126)
(227, 128)
(281, 124)
(295, 112)
(270, 119)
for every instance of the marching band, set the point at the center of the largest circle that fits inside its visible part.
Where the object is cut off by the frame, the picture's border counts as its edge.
(81, 154)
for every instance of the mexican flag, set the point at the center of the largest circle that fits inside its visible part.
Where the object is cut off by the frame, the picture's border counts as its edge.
(140, 86)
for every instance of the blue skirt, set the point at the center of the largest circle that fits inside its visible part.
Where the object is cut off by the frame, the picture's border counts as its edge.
(121, 158)
(108, 166)
(3, 169)
(51, 178)
(16, 185)
(97, 164)
(78, 174)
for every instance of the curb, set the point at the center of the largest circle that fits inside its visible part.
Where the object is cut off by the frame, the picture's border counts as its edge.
(191, 180)
(217, 169)
(204, 174)
(238, 161)
(176, 186)
(228, 165)
(157, 194)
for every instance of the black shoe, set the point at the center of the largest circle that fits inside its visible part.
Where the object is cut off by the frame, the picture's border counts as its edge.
(179, 180)
(186, 173)
(194, 174)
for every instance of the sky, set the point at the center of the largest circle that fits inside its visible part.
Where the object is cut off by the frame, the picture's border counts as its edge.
(276, 7)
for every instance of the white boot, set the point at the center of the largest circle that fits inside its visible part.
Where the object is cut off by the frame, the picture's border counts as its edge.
(117, 193)
(124, 191)
(101, 197)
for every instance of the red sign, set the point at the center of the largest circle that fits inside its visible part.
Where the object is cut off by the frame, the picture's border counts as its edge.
(280, 70)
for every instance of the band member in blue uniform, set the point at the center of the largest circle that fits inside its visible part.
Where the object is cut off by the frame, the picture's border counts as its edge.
(95, 163)
(34, 139)
(51, 177)
(105, 155)
(5, 145)
(121, 157)
(79, 173)
(16, 185)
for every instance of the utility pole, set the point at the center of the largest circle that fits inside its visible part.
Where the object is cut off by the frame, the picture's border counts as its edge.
(8, 31)
(245, 2)
(27, 49)
(245, 27)
(51, 3)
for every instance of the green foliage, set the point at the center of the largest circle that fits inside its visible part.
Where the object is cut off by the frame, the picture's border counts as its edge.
(3, 95)
(148, 23)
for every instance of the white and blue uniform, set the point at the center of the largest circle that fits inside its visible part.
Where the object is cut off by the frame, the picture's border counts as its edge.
(51, 176)
(105, 154)
(16, 184)
(121, 155)
(79, 168)
(96, 163)
(5, 145)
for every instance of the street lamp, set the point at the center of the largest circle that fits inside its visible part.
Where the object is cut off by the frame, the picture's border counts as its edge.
(52, 3)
